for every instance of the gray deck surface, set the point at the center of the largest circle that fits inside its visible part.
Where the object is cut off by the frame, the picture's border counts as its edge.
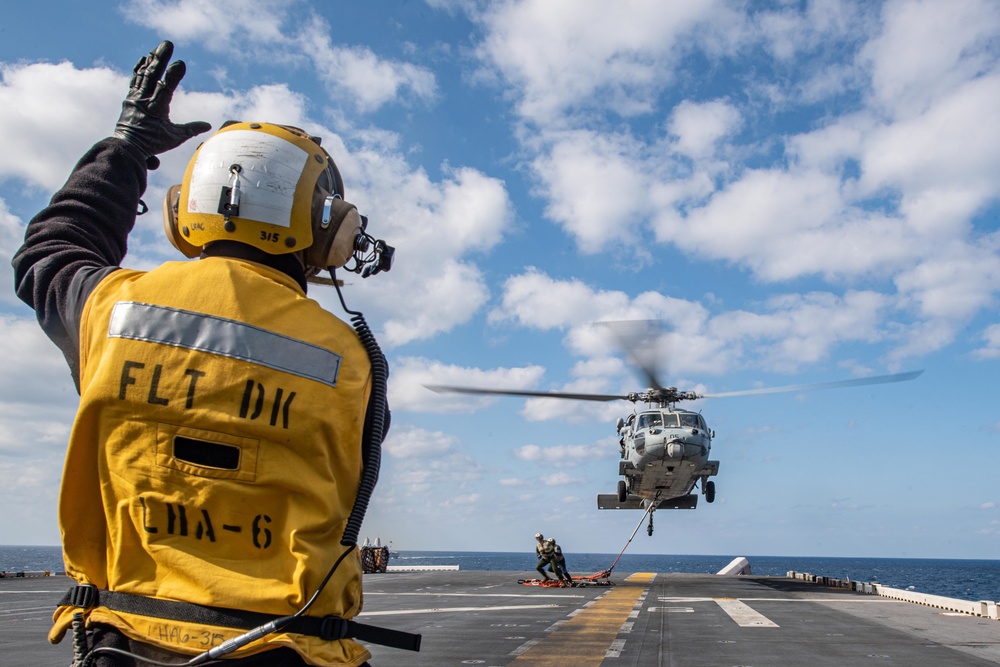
(486, 618)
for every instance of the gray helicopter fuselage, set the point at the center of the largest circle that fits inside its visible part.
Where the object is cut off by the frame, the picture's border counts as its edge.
(666, 452)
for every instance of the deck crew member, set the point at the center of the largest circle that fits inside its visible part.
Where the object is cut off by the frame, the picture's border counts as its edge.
(545, 550)
(559, 561)
(227, 422)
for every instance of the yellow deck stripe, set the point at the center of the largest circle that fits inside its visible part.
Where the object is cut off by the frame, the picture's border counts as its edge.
(584, 640)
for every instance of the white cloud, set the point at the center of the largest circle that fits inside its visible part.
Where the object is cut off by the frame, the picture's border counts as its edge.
(35, 381)
(950, 150)
(762, 220)
(595, 186)
(698, 127)
(433, 285)
(884, 187)
(419, 304)
(408, 441)
(290, 32)
(50, 114)
(991, 350)
(787, 33)
(239, 24)
(409, 375)
(560, 478)
(926, 49)
(11, 238)
(417, 482)
(560, 56)
(806, 328)
(355, 75)
(791, 330)
(37, 405)
(826, 148)
(534, 299)
(565, 455)
(955, 283)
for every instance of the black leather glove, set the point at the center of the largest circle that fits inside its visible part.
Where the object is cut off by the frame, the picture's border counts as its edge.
(145, 121)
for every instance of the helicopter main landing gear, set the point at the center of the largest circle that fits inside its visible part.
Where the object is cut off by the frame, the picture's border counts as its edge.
(710, 492)
(622, 491)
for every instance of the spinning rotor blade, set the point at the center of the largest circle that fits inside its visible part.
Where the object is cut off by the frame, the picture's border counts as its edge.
(638, 340)
(878, 379)
(443, 389)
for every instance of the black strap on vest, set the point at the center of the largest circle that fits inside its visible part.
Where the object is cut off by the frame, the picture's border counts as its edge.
(328, 628)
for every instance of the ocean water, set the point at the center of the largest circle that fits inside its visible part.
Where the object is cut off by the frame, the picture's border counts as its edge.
(954, 578)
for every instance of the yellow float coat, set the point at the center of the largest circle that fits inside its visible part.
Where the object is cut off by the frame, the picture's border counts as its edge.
(216, 453)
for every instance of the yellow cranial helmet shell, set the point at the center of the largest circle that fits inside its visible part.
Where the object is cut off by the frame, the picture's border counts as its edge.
(255, 183)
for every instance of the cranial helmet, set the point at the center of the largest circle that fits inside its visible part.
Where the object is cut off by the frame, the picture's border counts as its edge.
(269, 186)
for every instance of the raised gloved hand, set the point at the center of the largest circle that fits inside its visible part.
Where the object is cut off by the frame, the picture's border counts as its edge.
(145, 120)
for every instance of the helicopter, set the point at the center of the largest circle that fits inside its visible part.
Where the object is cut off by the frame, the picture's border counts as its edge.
(664, 450)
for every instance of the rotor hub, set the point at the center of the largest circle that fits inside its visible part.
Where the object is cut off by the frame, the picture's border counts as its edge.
(663, 396)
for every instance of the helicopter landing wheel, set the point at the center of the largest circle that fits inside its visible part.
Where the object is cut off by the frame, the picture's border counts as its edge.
(622, 491)
(710, 492)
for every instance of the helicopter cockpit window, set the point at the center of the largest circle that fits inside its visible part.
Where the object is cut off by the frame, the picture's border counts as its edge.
(690, 420)
(670, 420)
(650, 420)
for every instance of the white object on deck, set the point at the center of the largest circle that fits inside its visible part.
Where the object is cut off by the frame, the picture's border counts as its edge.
(739, 566)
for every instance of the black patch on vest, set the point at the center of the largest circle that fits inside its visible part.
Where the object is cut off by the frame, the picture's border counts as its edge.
(206, 454)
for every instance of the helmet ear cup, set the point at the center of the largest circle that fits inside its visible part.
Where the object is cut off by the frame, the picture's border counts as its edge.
(170, 225)
(336, 225)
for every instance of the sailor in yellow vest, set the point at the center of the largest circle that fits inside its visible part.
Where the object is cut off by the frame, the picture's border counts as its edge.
(228, 434)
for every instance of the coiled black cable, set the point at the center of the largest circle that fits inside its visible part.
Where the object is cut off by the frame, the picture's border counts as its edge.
(371, 452)
(80, 644)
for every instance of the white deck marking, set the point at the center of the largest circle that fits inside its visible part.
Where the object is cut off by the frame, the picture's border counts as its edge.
(525, 646)
(470, 595)
(744, 616)
(615, 650)
(839, 598)
(23, 610)
(445, 610)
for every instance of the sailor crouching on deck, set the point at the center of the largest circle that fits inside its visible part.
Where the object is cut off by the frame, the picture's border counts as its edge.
(228, 427)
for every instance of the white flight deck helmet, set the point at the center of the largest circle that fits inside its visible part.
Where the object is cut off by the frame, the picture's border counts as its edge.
(269, 186)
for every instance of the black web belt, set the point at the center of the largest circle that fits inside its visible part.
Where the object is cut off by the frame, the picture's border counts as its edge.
(328, 627)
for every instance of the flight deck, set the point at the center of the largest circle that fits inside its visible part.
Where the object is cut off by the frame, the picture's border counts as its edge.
(474, 617)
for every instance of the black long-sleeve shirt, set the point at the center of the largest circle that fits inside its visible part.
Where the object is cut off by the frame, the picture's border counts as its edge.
(80, 237)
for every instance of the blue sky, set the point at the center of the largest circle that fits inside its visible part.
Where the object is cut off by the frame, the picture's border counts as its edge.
(802, 192)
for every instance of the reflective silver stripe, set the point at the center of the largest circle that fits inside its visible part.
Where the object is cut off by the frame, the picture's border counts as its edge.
(227, 338)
